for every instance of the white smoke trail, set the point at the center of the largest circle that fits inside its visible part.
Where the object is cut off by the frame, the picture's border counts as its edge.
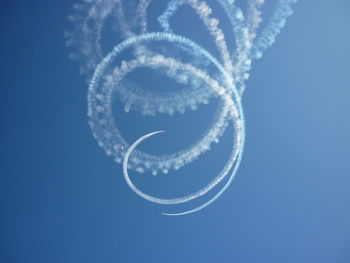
(204, 12)
(228, 83)
(142, 14)
(89, 51)
(254, 17)
(86, 35)
(277, 22)
(228, 104)
(100, 99)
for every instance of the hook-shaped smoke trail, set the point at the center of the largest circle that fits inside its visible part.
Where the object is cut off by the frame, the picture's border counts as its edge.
(278, 20)
(100, 98)
(227, 83)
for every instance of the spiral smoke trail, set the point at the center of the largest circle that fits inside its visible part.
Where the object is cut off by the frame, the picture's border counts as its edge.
(106, 73)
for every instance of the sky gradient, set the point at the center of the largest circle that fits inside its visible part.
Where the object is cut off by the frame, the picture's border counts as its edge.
(63, 200)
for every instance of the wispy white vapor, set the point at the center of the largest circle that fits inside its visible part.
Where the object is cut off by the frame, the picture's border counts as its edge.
(180, 59)
(233, 113)
(278, 20)
(100, 99)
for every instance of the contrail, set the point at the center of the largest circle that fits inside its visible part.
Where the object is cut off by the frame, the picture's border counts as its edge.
(236, 151)
(180, 59)
(100, 99)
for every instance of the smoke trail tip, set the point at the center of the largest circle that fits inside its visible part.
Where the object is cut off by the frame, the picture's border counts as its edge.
(168, 214)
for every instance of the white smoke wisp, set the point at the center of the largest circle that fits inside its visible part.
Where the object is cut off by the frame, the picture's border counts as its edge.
(100, 98)
(106, 73)
(233, 114)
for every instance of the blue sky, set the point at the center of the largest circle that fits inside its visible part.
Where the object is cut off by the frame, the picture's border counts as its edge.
(63, 200)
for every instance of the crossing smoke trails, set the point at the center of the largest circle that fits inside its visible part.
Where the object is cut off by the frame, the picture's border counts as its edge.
(204, 76)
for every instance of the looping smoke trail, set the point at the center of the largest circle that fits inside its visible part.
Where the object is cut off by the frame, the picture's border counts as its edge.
(227, 83)
(100, 99)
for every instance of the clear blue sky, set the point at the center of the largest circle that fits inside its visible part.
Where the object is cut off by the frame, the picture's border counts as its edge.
(63, 200)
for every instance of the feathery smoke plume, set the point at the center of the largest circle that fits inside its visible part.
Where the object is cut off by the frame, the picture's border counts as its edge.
(204, 76)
